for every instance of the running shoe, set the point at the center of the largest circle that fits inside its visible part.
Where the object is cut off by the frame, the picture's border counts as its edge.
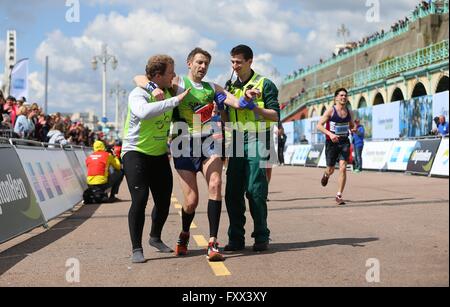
(138, 256)
(182, 244)
(324, 180)
(340, 200)
(233, 247)
(261, 246)
(213, 252)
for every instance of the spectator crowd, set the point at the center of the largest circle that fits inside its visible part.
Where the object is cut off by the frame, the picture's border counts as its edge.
(423, 6)
(21, 120)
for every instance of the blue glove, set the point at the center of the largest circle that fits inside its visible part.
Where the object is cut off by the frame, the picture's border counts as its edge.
(244, 104)
(220, 98)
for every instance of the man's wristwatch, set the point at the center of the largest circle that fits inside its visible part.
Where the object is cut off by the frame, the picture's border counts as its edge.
(151, 86)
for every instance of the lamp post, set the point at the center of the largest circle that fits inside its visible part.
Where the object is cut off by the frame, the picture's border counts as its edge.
(344, 32)
(103, 58)
(117, 91)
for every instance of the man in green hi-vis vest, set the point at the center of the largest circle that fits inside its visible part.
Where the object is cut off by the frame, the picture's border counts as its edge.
(144, 154)
(205, 99)
(246, 175)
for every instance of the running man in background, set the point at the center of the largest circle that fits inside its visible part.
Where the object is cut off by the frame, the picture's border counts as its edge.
(336, 123)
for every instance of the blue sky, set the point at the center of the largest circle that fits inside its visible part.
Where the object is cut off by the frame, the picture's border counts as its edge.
(285, 35)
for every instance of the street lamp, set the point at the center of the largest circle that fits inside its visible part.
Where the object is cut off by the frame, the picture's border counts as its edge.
(103, 58)
(117, 91)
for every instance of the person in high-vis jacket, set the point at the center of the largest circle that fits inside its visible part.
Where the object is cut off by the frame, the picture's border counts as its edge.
(98, 175)
(204, 100)
(144, 153)
(246, 175)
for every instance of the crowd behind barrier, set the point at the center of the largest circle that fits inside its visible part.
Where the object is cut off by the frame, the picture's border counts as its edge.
(38, 182)
(19, 119)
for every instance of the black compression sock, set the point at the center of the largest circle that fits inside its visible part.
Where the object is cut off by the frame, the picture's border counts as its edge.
(214, 210)
(187, 220)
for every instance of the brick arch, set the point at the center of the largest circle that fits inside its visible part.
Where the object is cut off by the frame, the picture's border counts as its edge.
(378, 99)
(442, 85)
(419, 89)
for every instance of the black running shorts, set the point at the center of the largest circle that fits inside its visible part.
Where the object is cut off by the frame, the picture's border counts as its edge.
(335, 152)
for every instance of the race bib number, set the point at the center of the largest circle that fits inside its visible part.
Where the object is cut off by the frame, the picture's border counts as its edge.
(341, 129)
(205, 112)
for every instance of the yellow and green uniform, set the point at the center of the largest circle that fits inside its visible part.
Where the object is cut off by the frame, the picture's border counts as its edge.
(199, 97)
(246, 175)
(147, 136)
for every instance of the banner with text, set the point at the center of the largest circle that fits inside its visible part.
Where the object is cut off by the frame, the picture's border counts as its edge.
(314, 155)
(400, 154)
(440, 165)
(77, 168)
(289, 131)
(289, 153)
(300, 155)
(19, 210)
(52, 178)
(386, 121)
(422, 157)
(375, 155)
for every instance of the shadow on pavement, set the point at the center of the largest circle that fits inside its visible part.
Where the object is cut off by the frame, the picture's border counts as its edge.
(296, 246)
(10, 257)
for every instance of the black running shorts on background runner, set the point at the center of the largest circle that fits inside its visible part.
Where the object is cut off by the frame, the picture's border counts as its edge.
(335, 152)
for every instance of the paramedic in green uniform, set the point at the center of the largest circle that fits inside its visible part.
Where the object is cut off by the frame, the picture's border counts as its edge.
(258, 100)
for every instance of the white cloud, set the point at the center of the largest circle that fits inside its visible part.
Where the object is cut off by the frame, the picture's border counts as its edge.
(73, 84)
(262, 63)
(37, 86)
(300, 32)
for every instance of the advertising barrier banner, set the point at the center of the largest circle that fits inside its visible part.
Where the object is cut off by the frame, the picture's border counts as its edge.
(440, 165)
(375, 155)
(300, 155)
(52, 178)
(400, 154)
(81, 156)
(19, 210)
(422, 157)
(323, 159)
(289, 153)
(289, 131)
(365, 116)
(76, 167)
(440, 104)
(314, 155)
(386, 121)
(416, 117)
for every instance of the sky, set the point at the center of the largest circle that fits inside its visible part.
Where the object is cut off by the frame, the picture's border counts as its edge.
(284, 35)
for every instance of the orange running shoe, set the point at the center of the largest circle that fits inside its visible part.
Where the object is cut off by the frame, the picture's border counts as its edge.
(214, 253)
(182, 244)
